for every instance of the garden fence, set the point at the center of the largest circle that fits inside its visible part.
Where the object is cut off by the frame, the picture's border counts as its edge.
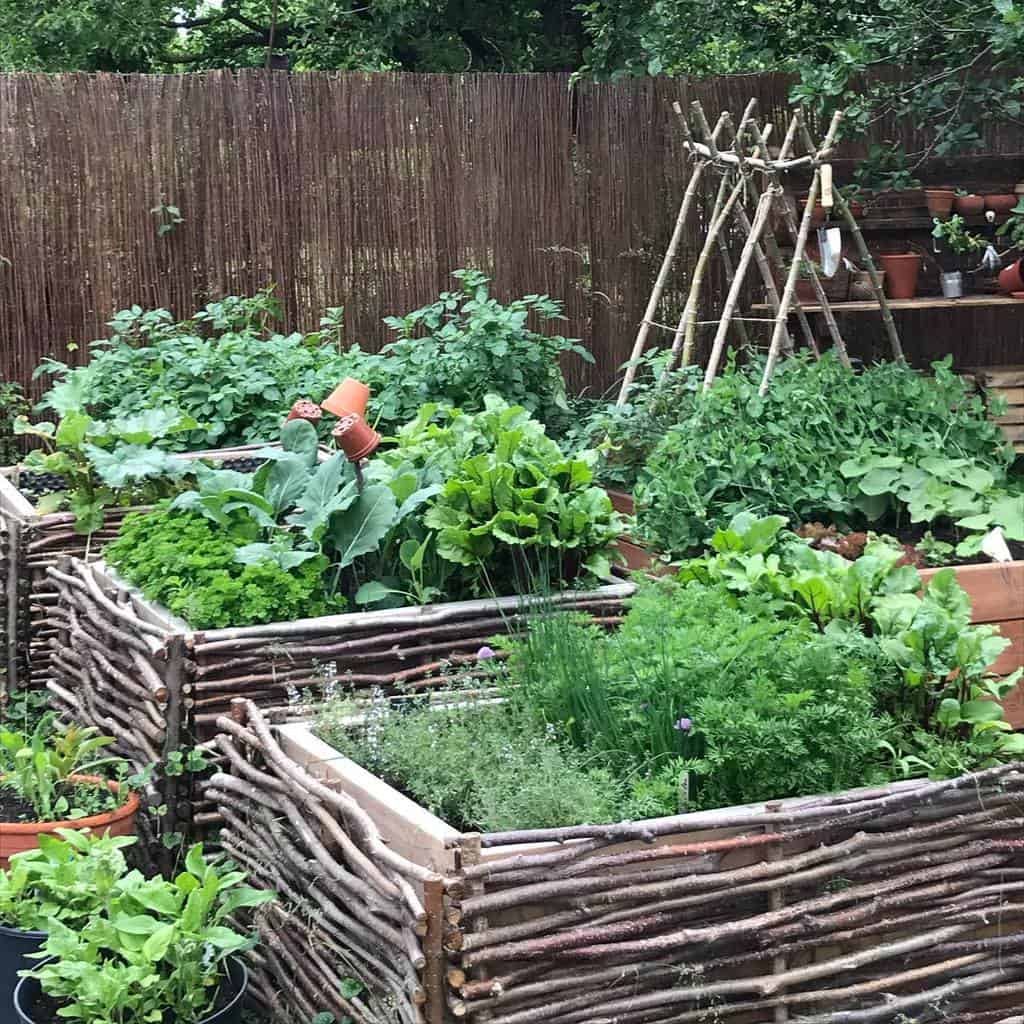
(367, 190)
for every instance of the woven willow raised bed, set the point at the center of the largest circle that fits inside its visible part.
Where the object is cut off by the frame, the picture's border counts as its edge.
(903, 903)
(30, 543)
(135, 671)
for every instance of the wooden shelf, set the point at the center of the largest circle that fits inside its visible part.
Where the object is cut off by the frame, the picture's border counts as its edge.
(918, 222)
(925, 302)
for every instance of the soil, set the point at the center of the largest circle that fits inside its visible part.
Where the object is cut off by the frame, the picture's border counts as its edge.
(14, 809)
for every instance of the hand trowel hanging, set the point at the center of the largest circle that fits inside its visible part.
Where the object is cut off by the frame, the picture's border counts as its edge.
(830, 238)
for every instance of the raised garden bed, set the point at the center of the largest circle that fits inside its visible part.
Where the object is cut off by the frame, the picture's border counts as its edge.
(126, 665)
(869, 905)
(30, 543)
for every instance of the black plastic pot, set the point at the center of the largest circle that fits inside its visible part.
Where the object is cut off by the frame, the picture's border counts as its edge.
(15, 946)
(27, 992)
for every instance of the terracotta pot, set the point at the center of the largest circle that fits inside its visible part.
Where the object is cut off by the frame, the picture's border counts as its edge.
(805, 293)
(1017, 295)
(16, 836)
(1011, 278)
(356, 438)
(940, 201)
(970, 206)
(350, 396)
(1000, 203)
(306, 410)
(901, 273)
(856, 207)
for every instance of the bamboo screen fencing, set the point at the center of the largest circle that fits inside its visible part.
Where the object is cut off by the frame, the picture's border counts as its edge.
(366, 191)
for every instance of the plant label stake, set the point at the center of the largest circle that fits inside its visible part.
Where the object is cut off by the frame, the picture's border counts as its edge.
(830, 239)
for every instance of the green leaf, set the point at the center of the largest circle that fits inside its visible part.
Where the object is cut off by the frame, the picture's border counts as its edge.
(300, 437)
(361, 527)
(372, 592)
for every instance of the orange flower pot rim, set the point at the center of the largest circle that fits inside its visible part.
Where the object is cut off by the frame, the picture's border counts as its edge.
(126, 810)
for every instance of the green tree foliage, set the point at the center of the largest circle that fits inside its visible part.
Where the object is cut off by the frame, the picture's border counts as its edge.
(357, 35)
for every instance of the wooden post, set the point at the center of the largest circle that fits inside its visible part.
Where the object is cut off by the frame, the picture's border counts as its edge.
(433, 950)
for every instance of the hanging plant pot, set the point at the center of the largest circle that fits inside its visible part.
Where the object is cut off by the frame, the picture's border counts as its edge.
(356, 438)
(901, 274)
(16, 836)
(350, 396)
(1011, 278)
(28, 994)
(15, 948)
(306, 410)
(940, 201)
(970, 206)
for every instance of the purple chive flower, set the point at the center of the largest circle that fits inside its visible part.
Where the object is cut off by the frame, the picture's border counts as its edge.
(683, 725)
(484, 653)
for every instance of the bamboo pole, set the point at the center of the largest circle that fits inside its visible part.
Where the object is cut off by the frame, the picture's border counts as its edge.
(869, 263)
(794, 272)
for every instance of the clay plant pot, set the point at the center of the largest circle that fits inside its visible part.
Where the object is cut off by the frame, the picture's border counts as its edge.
(27, 993)
(355, 437)
(805, 293)
(970, 206)
(15, 947)
(1000, 203)
(940, 201)
(16, 836)
(306, 410)
(350, 396)
(1011, 278)
(1017, 295)
(901, 274)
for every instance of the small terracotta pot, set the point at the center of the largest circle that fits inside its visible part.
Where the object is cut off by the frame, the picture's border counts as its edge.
(1017, 295)
(306, 410)
(1011, 278)
(356, 438)
(940, 201)
(901, 273)
(350, 396)
(1000, 203)
(970, 206)
(16, 836)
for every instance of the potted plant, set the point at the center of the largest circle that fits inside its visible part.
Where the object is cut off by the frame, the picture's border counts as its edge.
(957, 244)
(67, 878)
(158, 951)
(49, 783)
(901, 273)
(1011, 278)
(969, 204)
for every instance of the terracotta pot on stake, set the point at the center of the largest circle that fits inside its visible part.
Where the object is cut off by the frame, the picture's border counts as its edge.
(304, 409)
(350, 396)
(355, 437)
(940, 201)
(901, 274)
(16, 836)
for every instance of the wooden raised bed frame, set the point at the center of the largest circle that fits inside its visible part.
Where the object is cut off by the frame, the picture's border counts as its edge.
(30, 543)
(133, 670)
(852, 908)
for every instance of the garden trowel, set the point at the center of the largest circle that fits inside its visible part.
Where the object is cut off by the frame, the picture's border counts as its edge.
(830, 239)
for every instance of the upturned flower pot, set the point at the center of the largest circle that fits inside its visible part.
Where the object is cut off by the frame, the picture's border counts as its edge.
(16, 836)
(355, 437)
(1011, 278)
(1000, 203)
(970, 206)
(15, 948)
(28, 991)
(940, 201)
(901, 274)
(350, 396)
(306, 410)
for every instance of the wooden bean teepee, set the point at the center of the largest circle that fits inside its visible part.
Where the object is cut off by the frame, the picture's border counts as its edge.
(749, 176)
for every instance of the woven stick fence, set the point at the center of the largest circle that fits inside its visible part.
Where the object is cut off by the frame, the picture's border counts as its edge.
(133, 670)
(897, 903)
(32, 543)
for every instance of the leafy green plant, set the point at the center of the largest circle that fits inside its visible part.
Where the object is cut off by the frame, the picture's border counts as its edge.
(805, 449)
(13, 405)
(955, 235)
(39, 768)
(68, 878)
(105, 463)
(223, 368)
(1012, 229)
(467, 345)
(159, 951)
